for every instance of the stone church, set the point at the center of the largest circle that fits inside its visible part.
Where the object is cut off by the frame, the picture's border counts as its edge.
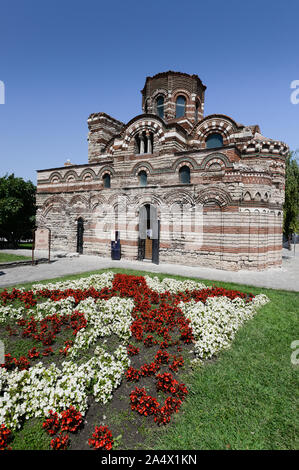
(170, 186)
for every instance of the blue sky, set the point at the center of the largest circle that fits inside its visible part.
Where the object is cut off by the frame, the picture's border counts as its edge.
(63, 60)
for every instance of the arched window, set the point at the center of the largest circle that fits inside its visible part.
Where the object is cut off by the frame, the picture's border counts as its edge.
(214, 141)
(142, 178)
(196, 111)
(144, 142)
(184, 174)
(106, 180)
(180, 106)
(160, 106)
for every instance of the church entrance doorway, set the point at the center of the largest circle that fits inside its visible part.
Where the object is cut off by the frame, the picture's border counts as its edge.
(149, 234)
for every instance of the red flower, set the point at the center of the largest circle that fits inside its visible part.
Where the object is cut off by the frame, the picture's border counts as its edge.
(64, 351)
(47, 351)
(148, 341)
(132, 350)
(162, 357)
(60, 442)
(23, 363)
(166, 383)
(132, 375)
(52, 424)
(5, 437)
(171, 405)
(176, 363)
(33, 353)
(144, 404)
(149, 369)
(101, 438)
(71, 420)
(137, 330)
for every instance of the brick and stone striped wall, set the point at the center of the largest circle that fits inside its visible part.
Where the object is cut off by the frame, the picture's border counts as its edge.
(228, 216)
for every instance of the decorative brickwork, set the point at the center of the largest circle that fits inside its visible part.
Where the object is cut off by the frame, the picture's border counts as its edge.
(229, 213)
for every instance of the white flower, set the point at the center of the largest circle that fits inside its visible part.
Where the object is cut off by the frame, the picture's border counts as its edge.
(172, 285)
(215, 323)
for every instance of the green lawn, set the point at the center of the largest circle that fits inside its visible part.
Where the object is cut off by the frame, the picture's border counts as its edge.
(247, 398)
(5, 257)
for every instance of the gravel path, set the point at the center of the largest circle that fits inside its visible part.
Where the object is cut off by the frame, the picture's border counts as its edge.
(286, 277)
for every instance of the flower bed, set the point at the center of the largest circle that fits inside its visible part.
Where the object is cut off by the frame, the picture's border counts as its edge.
(91, 334)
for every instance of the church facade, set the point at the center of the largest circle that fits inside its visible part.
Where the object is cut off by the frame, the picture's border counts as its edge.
(171, 185)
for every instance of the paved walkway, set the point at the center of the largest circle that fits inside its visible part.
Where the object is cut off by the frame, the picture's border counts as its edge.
(286, 277)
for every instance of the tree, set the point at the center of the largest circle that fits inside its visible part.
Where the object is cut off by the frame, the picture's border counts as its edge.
(17, 208)
(291, 204)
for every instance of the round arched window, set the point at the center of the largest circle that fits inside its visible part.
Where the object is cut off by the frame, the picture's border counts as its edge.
(196, 111)
(160, 106)
(180, 106)
(106, 180)
(184, 174)
(142, 178)
(214, 141)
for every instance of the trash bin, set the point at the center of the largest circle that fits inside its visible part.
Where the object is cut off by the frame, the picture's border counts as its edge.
(115, 250)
